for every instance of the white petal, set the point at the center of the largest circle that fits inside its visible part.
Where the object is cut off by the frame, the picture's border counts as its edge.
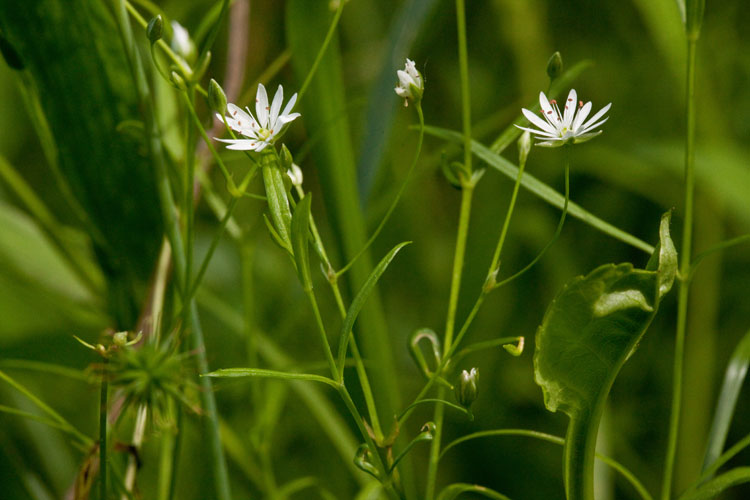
(582, 114)
(290, 105)
(586, 137)
(533, 118)
(585, 130)
(538, 133)
(261, 106)
(570, 108)
(598, 115)
(241, 144)
(284, 119)
(278, 98)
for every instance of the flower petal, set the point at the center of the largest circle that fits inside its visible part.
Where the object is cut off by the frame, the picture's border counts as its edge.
(290, 105)
(284, 119)
(585, 130)
(241, 144)
(538, 132)
(570, 108)
(261, 106)
(534, 119)
(586, 137)
(582, 114)
(598, 115)
(278, 98)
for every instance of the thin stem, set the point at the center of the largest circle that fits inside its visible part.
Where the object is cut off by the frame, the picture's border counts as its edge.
(432, 400)
(463, 230)
(322, 51)
(323, 336)
(103, 434)
(189, 207)
(397, 198)
(685, 258)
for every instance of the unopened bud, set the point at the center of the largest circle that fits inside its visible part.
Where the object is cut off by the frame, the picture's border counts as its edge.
(466, 388)
(554, 66)
(120, 339)
(295, 174)
(410, 83)
(155, 29)
(178, 81)
(524, 146)
(182, 44)
(285, 157)
(217, 99)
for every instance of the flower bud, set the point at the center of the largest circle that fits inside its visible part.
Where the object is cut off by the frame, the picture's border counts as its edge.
(466, 388)
(217, 99)
(178, 81)
(155, 29)
(182, 44)
(410, 83)
(554, 66)
(120, 339)
(295, 174)
(285, 157)
(524, 146)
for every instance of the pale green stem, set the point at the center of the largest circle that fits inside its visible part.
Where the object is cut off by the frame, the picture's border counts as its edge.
(685, 258)
(463, 230)
(395, 201)
(322, 51)
(323, 336)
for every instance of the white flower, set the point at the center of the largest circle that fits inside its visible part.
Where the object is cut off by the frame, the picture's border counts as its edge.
(267, 128)
(410, 83)
(564, 127)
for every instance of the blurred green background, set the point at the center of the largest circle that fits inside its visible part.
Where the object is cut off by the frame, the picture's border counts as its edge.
(628, 176)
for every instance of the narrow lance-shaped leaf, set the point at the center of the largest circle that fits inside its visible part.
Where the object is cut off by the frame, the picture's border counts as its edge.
(359, 301)
(539, 188)
(714, 487)
(588, 332)
(263, 373)
(454, 490)
(300, 239)
(734, 377)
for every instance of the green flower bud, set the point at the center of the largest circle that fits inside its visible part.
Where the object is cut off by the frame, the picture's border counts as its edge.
(120, 339)
(285, 156)
(217, 99)
(524, 146)
(466, 388)
(178, 81)
(155, 29)
(554, 66)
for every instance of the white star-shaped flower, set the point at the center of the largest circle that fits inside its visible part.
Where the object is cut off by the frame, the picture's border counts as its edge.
(270, 123)
(564, 127)
(410, 83)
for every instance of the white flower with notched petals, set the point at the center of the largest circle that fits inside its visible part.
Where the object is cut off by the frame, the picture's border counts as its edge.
(410, 83)
(566, 126)
(270, 124)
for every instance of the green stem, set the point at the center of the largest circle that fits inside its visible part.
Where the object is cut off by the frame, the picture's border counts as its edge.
(189, 207)
(103, 434)
(685, 258)
(395, 201)
(463, 230)
(323, 336)
(322, 51)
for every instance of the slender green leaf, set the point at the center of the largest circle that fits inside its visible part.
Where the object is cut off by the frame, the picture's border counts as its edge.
(734, 377)
(263, 373)
(359, 302)
(541, 189)
(720, 483)
(454, 490)
(588, 332)
(300, 239)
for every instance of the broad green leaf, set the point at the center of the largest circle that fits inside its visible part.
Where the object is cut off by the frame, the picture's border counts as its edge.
(300, 239)
(540, 189)
(591, 328)
(263, 373)
(734, 377)
(454, 490)
(712, 488)
(359, 301)
(75, 67)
